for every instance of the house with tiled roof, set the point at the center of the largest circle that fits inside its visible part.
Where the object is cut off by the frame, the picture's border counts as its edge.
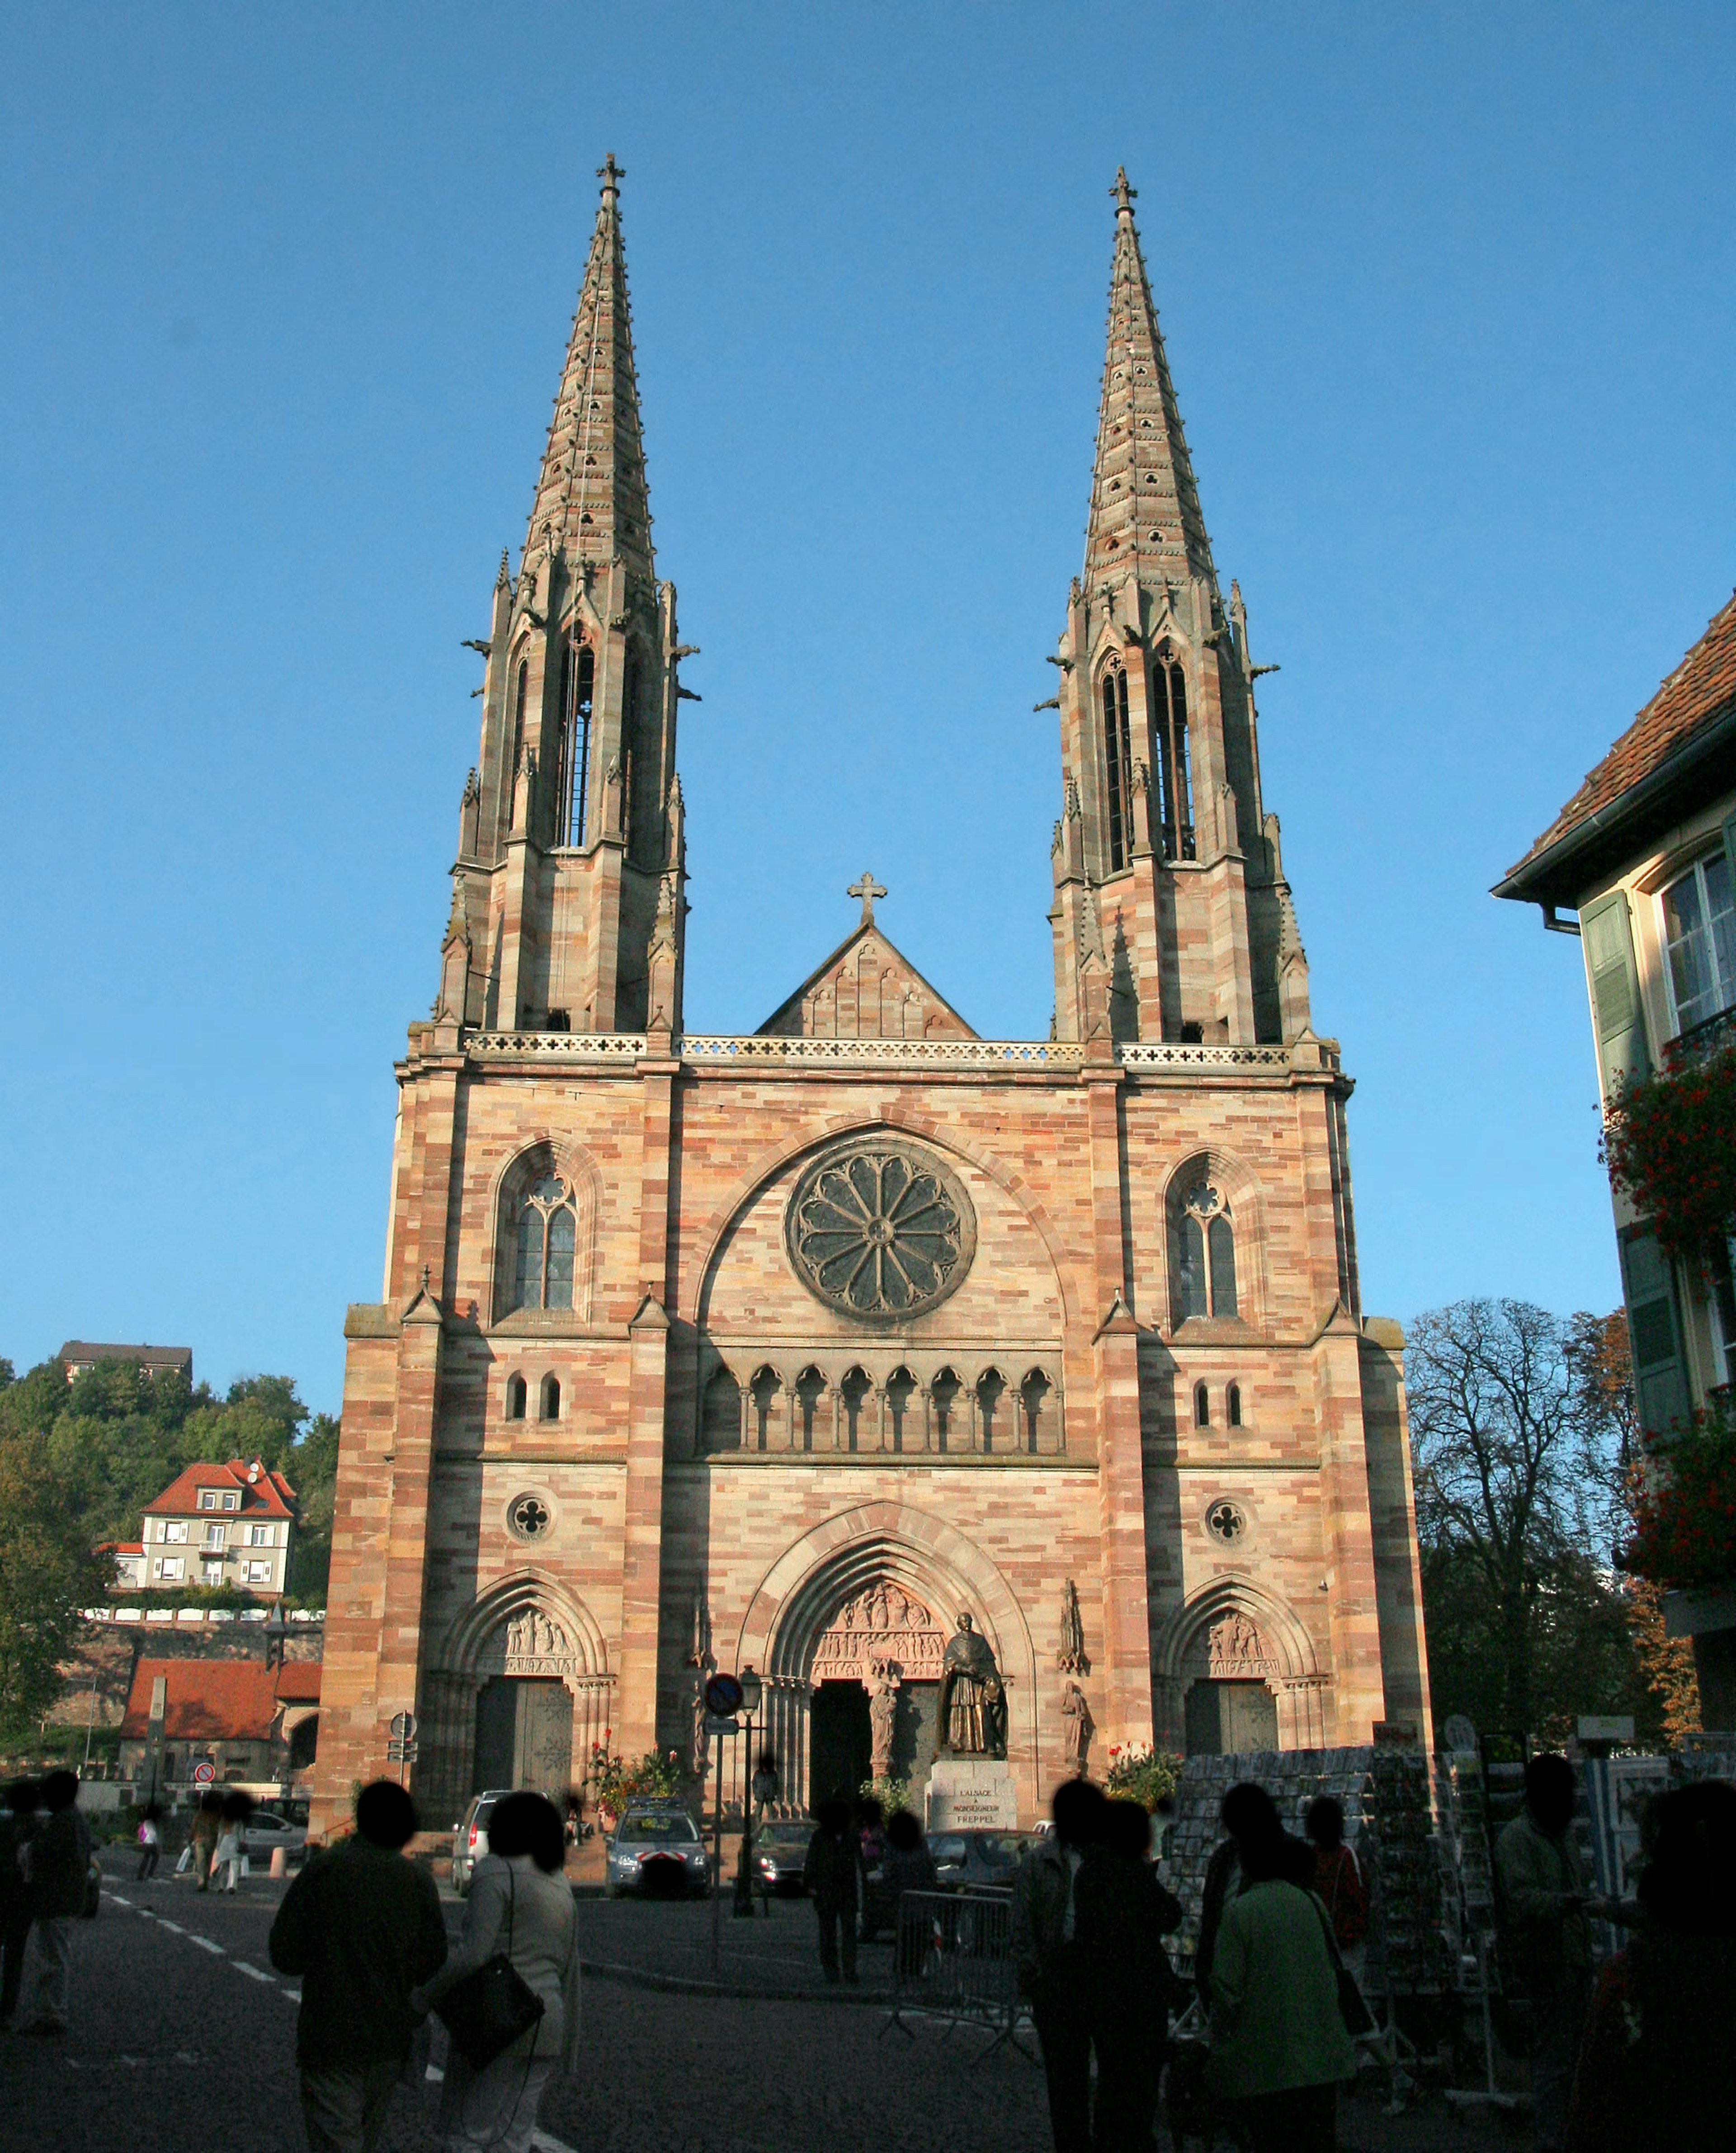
(214, 1525)
(77, 1354)
(1644, 857)
(254, 1724)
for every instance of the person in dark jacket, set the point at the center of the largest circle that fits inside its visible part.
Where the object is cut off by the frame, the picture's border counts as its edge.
(908, 1867)
(1542, 1899)
(830, 1874)
(16, 1828)
(1122, 1916)
(1249, 1814)
(57, 1859)
(1048, 1961)
(362, 1926)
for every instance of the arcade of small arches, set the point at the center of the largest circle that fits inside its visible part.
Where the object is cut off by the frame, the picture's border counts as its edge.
(1009, 1408)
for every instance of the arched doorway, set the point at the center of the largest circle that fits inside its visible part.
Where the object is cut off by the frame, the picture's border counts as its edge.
(1237, 1673)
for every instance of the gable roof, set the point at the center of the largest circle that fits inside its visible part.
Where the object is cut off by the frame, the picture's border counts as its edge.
(217, 1700)
(1693, 716)
(83, 1353)
(268, 1495)
(868, 940)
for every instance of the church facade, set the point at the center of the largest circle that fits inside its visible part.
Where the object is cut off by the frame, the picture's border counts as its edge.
(789, 1350)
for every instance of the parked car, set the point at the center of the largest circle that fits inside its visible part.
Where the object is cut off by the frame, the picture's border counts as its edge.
(657, 1852)
(972, 1860)
(780, 1847)
(469, 1836)
(265, 1831)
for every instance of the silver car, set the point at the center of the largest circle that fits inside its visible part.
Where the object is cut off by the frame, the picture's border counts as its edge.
(658, 1853)
(469, 1836)
(265, 1830)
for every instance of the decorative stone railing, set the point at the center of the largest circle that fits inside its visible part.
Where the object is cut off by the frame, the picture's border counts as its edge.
(755, 1049)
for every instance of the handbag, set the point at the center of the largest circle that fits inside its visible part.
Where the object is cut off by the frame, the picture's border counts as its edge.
(487, 2011)
(1359, 2021)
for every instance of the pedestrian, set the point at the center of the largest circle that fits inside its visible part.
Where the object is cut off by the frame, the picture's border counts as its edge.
(17, 1827)
(1337, 1878)
(57, 1864)
(362, 1926)
(203, 1834)
(1545, 1947)
(225, 1860)
(829, 1874)
(1123, 1915)
(870, 1830)
(1047, 1961)
(150, 1842)
(1247, 1810)
(1279, 2044)
(907, 1866)
(1655, 2067)
(764, 1786)
(520, 1905)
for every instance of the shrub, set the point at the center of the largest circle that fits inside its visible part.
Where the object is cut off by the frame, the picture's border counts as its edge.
(1141, 1773)
(1670, 1143)
(1685, 1511)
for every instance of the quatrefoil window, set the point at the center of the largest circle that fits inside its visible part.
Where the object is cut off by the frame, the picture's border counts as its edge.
(881, 1231)
(1227, 1522)
(529, 1517)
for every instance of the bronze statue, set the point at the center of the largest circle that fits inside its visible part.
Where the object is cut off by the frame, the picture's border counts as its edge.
(973, 1697)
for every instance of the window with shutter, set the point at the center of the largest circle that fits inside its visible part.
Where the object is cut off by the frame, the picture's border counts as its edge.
(1654, 1331)
(1607, 936)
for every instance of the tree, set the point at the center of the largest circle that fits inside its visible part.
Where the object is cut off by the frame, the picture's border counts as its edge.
(1518, 1461)
(48, 1573)
(313, 1468)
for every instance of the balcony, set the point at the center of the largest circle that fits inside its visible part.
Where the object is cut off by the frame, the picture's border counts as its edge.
(1702, 1041)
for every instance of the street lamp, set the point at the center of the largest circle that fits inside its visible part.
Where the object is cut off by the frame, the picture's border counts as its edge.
(752, 1689)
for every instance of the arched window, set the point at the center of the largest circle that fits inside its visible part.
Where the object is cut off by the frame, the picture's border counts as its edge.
(1202, 1406)
(900, 1386)
(810, 1389)
(578, 674)
(549, 1398)
(989, 1391)
(763, 1391)
(1233, 1405)
(1117, 765)
(1034, 1403)
(516, 1398)
(943, 1393)
(1203, 1256)
(541, 1249)
(855, 1391)
(1170, 753)
(519, 693)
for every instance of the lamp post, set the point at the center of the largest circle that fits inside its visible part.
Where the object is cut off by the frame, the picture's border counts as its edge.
(752, 1689)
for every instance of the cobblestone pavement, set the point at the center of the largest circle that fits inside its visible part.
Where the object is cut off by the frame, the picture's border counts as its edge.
(183, 2040)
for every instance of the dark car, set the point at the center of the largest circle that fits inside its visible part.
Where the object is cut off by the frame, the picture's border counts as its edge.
(973, 1860)
(780, 1847)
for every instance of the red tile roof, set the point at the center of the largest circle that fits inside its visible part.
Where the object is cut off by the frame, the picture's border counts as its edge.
(218, 1700)
(1702, 688)
(269, 1495)
(83, 1351)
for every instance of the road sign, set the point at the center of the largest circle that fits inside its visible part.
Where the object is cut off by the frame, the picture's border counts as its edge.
(723, 1696)
(717, 1723)
(403, 1727)
(204, 1772)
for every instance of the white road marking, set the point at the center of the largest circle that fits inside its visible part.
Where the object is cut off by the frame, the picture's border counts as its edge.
(118, 1901)
(240, 1966)
(434, 2074)
(294, 1994)
(164, 1922)
(545, 2141)
(204, 1943)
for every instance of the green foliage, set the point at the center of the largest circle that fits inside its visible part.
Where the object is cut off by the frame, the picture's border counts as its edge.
(1684, 1512)
(314, 1475)
(46, 1573)
(1141, 1773)
(615, 1784)
(1670, 1143)
(892, 1794)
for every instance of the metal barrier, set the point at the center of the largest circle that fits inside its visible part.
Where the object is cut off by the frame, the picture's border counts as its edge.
(953, 1960)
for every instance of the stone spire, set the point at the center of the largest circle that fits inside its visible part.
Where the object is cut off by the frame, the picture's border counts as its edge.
(1144, 506)
(592, 503)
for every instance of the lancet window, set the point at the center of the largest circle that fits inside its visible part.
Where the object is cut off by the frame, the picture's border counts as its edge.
(545, 1237)
(578, 677)
(520, 689)
(1118, 766)
(1203, 1253)
(1170, 753)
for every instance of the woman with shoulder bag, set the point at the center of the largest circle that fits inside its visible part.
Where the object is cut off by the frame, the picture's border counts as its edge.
(519, 1951)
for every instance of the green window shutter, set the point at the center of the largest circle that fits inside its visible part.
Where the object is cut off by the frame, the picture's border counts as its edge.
(1607, 940)
(1730, 846)
(1654, 1333)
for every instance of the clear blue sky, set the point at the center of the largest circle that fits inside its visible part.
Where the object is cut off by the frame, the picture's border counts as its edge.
(1449, 297)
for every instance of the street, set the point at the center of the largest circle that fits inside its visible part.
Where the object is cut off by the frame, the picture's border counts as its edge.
(183, 2039)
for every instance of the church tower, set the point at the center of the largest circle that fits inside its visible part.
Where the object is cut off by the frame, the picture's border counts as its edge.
(1172, 920)
(567, 899)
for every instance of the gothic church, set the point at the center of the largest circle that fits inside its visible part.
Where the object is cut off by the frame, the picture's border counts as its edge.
(788, 1349)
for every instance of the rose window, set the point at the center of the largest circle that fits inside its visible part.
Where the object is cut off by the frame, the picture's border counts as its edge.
(529, 1517)
(882, 1231)
(1226, 1522)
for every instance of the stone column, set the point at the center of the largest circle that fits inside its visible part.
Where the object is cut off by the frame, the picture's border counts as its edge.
(649, 1332)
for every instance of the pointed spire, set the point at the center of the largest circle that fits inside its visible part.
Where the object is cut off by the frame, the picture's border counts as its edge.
(591, 501)
(1144, 506)
(503, 581)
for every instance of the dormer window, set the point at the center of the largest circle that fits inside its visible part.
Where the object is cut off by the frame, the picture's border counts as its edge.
(207, 1498)
(232, 1499)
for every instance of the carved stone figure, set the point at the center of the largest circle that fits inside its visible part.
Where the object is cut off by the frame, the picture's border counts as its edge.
(973, 1698)
(1235, 1641)
(1080, 1728)
(882, 1718)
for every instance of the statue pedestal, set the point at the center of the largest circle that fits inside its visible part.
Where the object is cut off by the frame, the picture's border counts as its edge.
(971, 1794)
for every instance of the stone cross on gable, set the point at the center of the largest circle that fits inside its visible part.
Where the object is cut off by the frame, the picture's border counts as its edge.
(867, 889)
(609, 171)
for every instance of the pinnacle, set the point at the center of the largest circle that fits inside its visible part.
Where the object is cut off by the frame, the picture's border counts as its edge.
(591, 501)
(1144, 506)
